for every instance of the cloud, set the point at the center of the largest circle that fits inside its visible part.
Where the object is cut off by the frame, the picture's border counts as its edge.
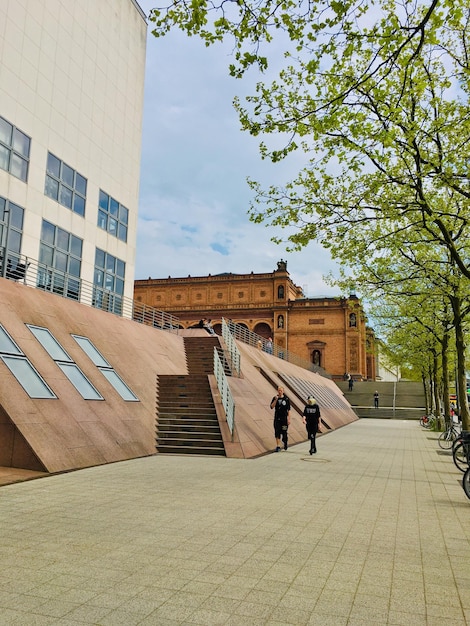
(195, 161)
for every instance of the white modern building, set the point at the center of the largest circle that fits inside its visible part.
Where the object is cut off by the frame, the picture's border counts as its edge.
(71, 108)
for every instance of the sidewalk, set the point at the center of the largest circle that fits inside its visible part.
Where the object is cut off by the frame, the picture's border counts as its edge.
(373, 530)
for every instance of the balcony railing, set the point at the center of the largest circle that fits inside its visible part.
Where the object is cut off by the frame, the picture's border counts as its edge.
(41, 276)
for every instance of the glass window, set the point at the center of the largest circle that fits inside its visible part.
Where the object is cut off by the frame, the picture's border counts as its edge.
(11, 216)
(65, 363)
(21, 368)
(87, 346)
(111, 375)
(53, 165)
(6, 131)
(60, 254)
(113, 216)
(7, 345)
(49, 343)
(80, 381)
(108, 285)
(28, 377)
(65, 185)
(14, 150)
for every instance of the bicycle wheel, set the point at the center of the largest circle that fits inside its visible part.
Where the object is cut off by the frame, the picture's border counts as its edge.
(466, 482)
(460, 456)
(446, 439)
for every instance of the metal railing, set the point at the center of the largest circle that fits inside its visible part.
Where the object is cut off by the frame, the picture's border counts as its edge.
(234, 353)
(224, 390)
(242, 333)
(41, 276)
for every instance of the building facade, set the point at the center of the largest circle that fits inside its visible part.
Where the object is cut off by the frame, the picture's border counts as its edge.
(329, 332)
(71, 109)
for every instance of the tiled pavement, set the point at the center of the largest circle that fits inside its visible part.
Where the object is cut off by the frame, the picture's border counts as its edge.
(372, 530)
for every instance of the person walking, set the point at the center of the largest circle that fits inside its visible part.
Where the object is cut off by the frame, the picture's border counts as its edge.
(376, 399)
(350, 382)
(281, 406)
(312, 421)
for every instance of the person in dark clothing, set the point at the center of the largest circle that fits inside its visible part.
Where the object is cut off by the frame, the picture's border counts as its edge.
(350, 382)
(376, 399)
(281, 406)
(312, 422)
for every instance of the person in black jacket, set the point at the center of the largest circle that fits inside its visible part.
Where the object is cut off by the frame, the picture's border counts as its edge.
(281, 406)
(311, 419)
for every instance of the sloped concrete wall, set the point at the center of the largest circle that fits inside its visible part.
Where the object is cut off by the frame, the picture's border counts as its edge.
(70, 432)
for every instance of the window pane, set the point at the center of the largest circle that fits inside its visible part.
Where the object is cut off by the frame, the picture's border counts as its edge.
(109, 282)
(46, 255)
(80, 184)
(60, 261)
(87, 346)
(104, 201)
(123, 215)
(79, 381)
(102, 220)
(74, 267)
(65, 196)
(79, 205)
(52, 188)
(98, 279)
(99, 258)
(114, 207)
(76, 246)
(63, 239)
(122, 232)
(73, 289)
(53, 165)
(67, 175)
(47, 232)
(17, 213)
(120, 268)
(118, 384)
(110, 263)
(119, 288)
(49, 343)
(28, 377)
(19, 167)
(21, 143)
(7, 344)
(112, 226)
(5, 131)
(4, 158)
(14, 241)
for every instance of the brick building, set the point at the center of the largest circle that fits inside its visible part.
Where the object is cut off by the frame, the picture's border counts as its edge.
(330, 332)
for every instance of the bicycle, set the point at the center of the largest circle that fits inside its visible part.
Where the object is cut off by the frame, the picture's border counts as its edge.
(428, 421)
(466, 482)
(461, 451)
(447, 438)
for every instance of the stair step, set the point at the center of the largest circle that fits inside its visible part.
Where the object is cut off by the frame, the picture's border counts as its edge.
(190, 450)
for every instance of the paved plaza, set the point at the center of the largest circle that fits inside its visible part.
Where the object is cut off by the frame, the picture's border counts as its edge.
(373, 530)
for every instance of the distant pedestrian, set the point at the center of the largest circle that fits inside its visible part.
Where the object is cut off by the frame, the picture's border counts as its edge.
(312, 422)
(281, 406)
(376, 399)
(269, 346)
(350, 382)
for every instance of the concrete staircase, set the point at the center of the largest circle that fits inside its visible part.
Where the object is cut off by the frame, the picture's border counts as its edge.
(402, 400)
(186, 417)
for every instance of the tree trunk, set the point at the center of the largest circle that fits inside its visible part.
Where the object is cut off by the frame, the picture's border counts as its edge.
(461, 369)
(445, 376)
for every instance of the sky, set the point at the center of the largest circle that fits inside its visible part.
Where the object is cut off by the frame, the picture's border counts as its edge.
(194, 197)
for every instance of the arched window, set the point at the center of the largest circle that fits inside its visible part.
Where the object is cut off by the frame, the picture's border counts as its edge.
(316, 357)
(280, 292)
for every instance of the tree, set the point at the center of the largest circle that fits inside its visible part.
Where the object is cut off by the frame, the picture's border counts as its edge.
(376, 95)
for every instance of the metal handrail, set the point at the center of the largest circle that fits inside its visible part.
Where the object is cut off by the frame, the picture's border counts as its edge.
(232, 348)
(30, 272)
(224, 390)
(242, 333)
